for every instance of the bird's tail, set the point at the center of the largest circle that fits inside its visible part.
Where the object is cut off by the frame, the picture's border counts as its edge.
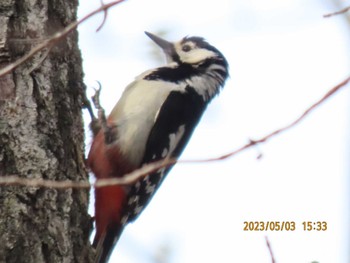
(105, 243)
(109, 203)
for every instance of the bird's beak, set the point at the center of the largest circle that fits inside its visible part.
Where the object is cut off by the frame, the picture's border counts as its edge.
(167, 46)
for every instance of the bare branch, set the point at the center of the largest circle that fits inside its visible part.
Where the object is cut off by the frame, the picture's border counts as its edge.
(105, 13)
(36, 182)
(283, 129)
(125, 180)
(41, 59)
(344, 10)
(48, 43)
(152, 167)
(273, 260)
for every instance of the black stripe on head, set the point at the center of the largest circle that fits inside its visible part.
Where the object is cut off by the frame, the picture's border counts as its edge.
(201, 43)
(177, 74)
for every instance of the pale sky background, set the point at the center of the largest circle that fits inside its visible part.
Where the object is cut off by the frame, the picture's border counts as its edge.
(283, 56)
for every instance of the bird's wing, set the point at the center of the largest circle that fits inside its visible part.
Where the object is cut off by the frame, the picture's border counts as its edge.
(173, 127)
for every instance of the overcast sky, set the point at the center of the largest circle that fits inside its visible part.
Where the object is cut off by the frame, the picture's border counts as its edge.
(283, 57)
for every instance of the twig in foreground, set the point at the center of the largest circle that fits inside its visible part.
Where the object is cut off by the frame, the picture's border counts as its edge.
(143, 171)
(283, 129)
(48, 43)
(66, 184)
(273, 260)
(344, 10)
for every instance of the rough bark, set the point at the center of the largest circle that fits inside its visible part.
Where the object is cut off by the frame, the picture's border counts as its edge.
(41, 136)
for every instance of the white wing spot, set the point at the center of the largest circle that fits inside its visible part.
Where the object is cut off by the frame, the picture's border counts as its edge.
(137, 185)
(150, 188)
(174, 139)
(135, 199)
(124, 220)
(138, 209)
(161, 171)
(164, 153)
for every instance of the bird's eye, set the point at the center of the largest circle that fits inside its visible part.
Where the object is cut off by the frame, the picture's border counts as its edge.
(186, 48)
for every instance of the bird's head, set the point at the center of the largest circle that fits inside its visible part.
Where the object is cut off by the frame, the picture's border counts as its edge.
(189, 50)
(192, 61)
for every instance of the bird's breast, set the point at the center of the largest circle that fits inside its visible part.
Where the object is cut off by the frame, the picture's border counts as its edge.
(135, 114)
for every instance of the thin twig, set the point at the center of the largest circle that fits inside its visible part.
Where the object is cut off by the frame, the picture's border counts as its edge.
(273, 260)
(128, 179)
(152, 167)
(105, 13)
(280, 130)
(48, 43)
(36, 182)
(344, 10)
(40, 60)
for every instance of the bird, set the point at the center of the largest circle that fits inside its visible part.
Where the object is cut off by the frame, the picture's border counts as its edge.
(153, 120)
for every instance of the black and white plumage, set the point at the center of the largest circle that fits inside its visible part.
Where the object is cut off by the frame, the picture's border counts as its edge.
(154, 120)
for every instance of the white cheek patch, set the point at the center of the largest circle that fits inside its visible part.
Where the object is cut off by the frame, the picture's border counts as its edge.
(196, 55)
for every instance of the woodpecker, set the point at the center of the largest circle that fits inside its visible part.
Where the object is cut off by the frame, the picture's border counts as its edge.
(153, 120)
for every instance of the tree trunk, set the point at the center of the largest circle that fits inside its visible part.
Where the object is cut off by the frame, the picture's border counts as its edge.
(42, 136)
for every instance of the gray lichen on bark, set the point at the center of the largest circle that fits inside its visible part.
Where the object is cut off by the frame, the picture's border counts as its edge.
(41, 136)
